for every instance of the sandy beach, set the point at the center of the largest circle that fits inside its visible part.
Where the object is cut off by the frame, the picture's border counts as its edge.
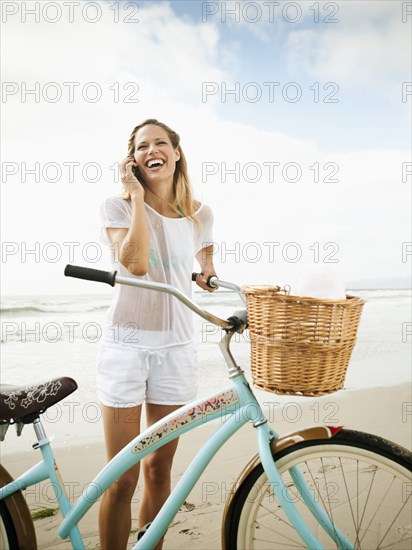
(386, 411)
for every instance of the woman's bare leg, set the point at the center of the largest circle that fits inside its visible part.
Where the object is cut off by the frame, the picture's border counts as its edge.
(121, 425)
(156, 470)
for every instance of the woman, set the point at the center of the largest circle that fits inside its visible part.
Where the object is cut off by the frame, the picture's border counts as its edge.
(148, 352)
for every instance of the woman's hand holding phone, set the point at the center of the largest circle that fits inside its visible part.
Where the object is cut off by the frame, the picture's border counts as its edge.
(128, 169)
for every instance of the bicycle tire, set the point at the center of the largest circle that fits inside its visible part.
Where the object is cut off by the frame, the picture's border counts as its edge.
(379, 470)
(16, 526)
(8, 536)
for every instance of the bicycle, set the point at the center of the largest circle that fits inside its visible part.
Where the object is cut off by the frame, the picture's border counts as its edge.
(320, 487)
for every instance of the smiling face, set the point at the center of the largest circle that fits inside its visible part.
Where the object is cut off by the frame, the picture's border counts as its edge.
(154, 154)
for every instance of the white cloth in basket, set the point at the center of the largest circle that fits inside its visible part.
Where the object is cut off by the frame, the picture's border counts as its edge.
(321, 282)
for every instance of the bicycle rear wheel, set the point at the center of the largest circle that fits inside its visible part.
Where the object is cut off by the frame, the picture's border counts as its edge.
(16, 524)
(8, 536)
(362, 482)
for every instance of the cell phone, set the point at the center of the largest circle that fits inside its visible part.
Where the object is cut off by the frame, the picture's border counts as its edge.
(136, 172)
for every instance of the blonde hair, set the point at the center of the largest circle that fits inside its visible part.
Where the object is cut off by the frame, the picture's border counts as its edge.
(183, 203)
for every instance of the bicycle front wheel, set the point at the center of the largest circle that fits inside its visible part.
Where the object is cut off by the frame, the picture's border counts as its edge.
(361, 481)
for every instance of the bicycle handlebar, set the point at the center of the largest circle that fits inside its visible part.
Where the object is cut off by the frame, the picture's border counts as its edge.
(90, 274)
(113, 278)
(214, 282)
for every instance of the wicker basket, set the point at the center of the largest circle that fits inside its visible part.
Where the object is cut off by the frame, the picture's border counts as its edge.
(299, 345)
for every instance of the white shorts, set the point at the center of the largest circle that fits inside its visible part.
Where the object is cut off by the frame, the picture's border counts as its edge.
(126, 376)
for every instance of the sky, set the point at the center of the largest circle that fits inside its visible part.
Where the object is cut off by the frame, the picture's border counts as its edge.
(295, 118)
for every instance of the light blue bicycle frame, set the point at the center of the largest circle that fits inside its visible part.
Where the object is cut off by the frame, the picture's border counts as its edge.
(235, 406)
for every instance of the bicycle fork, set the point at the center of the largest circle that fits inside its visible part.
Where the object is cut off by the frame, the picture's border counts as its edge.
(265, 435)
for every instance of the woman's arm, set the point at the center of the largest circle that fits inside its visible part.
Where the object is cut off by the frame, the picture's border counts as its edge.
(133, 244)
(205, 259)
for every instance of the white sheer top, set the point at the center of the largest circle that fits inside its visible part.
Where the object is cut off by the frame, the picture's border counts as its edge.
(144, 318)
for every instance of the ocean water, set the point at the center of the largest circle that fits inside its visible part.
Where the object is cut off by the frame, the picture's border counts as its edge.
(43, 337)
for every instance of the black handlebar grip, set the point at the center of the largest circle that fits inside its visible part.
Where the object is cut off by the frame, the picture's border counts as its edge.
(90, 274)
(194, 275)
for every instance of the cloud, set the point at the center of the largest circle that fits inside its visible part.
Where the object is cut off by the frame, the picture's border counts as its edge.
(369, 48)
(138, 66)
(160, 45)
(342, 205)
(169, 58)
